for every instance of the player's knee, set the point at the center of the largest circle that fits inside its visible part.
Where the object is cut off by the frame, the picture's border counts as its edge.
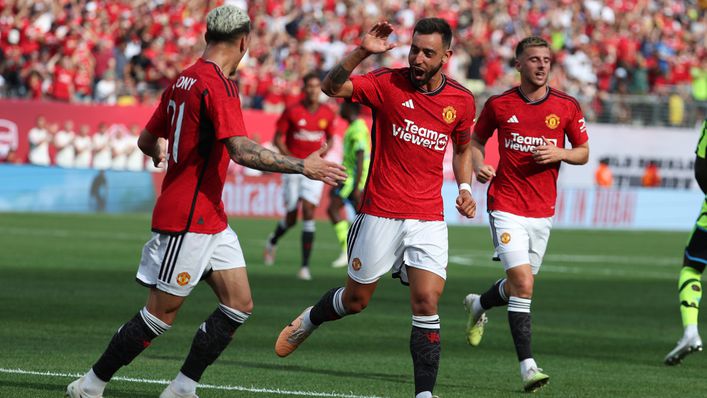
(355, 304)
(425, 304)
(522, 288)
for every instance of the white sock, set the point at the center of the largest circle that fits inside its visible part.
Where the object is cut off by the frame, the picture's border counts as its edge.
(690, 331)
(424, 394)
(477, 308)
(183, 385)
(92, 385)
(306, 322)
(526, 365)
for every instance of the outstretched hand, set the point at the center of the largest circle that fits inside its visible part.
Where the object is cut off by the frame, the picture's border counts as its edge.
(376, 40)
(318, 168)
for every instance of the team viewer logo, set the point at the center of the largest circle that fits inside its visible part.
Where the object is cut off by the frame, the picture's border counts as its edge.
(505, 238)
(183, 278)
(449, 114)
(356, 264)
(552, 121)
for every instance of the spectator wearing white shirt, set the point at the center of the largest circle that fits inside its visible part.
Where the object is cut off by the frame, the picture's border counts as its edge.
(64, 144)
(102, 156)
(39, 139)
(121, 145)
(136, 159)
(83, 146)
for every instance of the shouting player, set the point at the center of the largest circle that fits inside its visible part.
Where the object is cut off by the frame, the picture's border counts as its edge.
(533, 122)
(300, 131)
(200, 117)
(417, 112)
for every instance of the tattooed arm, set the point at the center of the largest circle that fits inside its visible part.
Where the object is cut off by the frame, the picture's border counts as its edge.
(337, 82)
(247, 152)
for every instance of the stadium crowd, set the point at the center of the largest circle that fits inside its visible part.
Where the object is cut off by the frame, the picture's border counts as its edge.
(124, 52)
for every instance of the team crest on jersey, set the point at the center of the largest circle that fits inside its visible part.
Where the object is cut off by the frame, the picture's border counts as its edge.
(323, 123)
(552, 121)
(449, 114)
(356, 264)
(183, 278)
(505, 238)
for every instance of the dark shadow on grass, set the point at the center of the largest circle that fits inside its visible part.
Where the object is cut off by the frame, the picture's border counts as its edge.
(59, 390)
(387, 377)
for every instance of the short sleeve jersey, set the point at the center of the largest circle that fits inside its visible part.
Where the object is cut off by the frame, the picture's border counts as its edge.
(305, 131)
(198, 110)
(411, 130)
(522, 186)
(357, 138)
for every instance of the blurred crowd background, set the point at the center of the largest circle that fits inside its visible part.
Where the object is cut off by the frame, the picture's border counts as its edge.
(640, 62)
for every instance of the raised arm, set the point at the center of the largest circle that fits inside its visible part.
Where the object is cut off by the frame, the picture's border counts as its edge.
(337, 83)
(247, 152)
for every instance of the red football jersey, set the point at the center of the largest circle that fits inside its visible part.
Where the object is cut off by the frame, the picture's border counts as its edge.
(522, 186)
(411, 129)
(196, 112)
(305, 131)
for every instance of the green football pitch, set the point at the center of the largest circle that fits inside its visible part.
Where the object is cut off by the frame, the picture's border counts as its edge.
(605, 313)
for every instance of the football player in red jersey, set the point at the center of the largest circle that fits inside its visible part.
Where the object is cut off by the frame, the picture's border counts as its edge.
(301, 130)
(417, 111)
(533, 121)
(197, 129)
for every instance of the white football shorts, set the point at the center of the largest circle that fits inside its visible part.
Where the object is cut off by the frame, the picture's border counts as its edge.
(297, 186)
(175, 263)
(519, 240)
(378, 245)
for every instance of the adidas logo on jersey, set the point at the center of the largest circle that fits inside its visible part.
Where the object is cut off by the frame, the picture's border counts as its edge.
(409, 104)
(512, 119)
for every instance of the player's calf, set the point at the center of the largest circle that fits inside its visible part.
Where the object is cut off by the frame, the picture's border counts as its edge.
(425, 349)
(212, 337)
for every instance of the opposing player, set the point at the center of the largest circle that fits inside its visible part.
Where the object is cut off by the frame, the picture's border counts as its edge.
(417, 112)
(357, 156)
(199, 117)
(695, 260)
(534, 121)
(300, 131)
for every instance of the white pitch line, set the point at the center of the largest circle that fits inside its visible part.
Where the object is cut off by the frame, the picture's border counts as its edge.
(207, 386)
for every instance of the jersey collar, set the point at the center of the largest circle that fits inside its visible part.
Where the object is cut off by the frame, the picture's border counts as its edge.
(433, 92)
(531, 102)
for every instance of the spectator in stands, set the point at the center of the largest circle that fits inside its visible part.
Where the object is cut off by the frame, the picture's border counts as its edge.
(106, 89)
(135, 158)
(102, 155)
(83, 145)
(39, 139)
(121, 145)
(62, 79)
(617, 47)
(603, 176)
(651, 175)
(64, 145)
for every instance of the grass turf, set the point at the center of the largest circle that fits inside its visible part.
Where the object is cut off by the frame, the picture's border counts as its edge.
(605, 313)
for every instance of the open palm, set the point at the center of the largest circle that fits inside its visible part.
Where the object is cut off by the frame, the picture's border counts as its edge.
(376, 40)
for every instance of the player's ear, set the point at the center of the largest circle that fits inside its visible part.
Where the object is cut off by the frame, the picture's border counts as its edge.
(447, 54)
